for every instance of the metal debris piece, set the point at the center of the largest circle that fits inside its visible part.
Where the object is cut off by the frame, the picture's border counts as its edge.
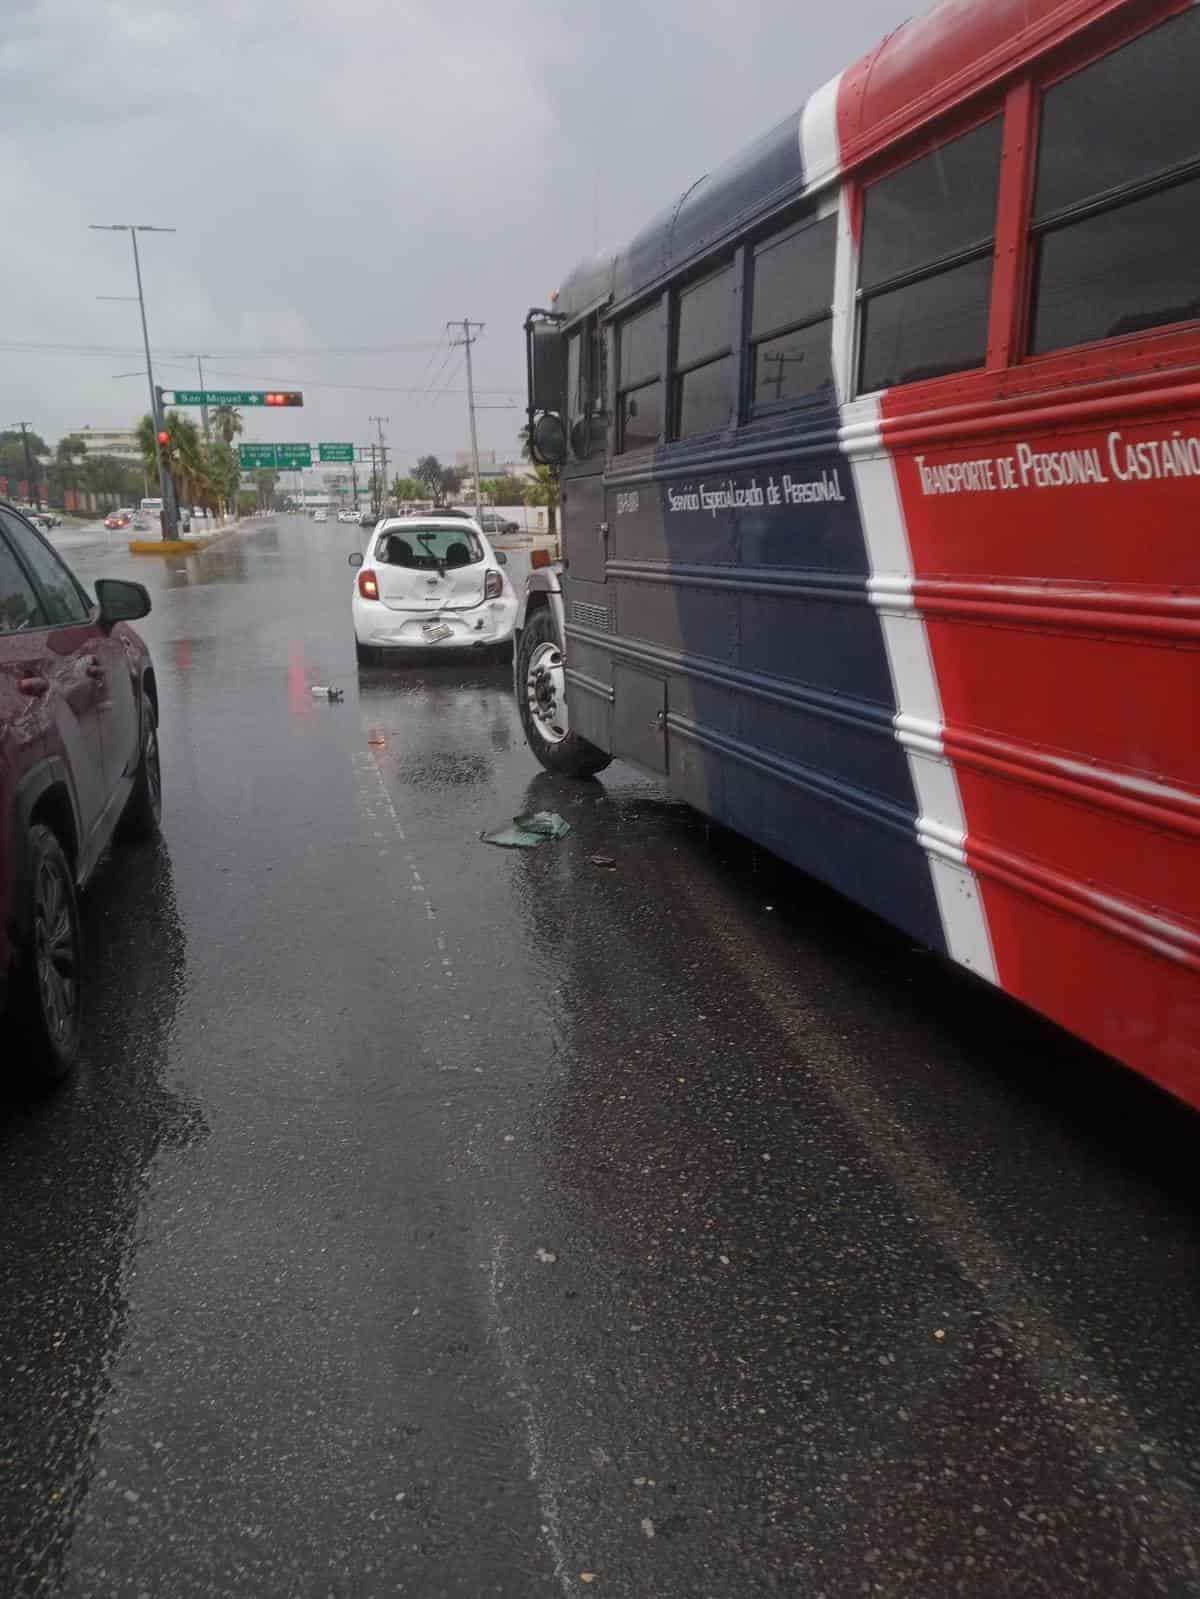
(322, 691)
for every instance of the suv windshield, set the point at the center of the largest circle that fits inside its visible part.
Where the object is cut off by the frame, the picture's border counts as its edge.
(428, 548)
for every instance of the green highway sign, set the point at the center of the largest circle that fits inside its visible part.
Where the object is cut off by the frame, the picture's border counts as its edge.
(254, 457)
(233, 397)
(291, 456)
(335, 452)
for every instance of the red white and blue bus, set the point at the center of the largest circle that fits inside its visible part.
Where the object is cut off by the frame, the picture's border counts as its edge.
(880, 464)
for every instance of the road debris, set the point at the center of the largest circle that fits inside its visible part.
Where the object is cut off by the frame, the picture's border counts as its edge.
(602, 860)
(546, 1256)
(528, 831)
(323, 691)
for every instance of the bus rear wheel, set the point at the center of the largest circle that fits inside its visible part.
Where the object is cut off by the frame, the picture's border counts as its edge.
(541, 692)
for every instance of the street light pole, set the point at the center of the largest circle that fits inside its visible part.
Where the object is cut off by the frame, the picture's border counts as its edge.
(204, 408)
(165, 482)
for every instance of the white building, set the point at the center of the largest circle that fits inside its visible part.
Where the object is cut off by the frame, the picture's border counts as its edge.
(120, 443)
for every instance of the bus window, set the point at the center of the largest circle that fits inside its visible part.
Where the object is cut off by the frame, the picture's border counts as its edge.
(1116, 214)
(639, 361)
(704, 365)
(926, 271)
(791, 318)
(574, 385)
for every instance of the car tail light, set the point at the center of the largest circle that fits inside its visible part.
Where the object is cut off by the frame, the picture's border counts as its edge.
(493, 586)
(368, 585)
(540, 558)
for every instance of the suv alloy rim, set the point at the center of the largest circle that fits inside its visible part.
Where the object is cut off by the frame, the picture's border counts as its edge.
(55, 955)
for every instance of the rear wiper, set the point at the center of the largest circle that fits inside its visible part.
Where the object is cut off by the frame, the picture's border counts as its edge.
(423, 540)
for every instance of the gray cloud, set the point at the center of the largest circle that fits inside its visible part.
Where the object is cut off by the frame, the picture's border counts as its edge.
(353, 174)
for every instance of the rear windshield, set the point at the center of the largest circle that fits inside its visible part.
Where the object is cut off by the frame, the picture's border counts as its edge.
(428, 548)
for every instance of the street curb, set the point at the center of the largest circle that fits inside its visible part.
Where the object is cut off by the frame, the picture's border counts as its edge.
(167, 546)
(190, 546)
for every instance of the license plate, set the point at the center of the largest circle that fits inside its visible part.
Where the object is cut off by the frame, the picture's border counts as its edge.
(434, 632)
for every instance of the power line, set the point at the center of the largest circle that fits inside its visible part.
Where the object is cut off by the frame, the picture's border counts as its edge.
(416, 347)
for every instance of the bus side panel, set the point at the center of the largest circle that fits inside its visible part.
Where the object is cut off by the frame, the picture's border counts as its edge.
(743, 588)
(1059, 575)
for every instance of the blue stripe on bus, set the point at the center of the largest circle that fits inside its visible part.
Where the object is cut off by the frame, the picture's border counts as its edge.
(748, 586)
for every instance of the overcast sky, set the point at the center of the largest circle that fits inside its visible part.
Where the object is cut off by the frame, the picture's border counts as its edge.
(351, 175)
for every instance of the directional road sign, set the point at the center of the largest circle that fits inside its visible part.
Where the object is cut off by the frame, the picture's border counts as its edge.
(233, 396)
(291, 456)
(254, 457)
(335, 452)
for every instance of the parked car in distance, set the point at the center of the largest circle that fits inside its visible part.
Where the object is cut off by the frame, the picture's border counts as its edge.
(348, 516)
(429, 582)
(78, 765)
(367, 518)
(43, 519)
(320, 516)
(118, 519)
(493, 523)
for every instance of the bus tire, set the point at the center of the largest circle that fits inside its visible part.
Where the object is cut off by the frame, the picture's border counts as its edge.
(541, 698)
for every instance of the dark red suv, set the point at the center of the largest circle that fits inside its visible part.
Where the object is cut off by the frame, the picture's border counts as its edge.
(78, 764)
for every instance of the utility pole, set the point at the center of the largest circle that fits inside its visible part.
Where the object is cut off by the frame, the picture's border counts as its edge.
(468, 341)
(380, 420)
(374, 484)
(200, 359)
(170, 520)
(31, 483)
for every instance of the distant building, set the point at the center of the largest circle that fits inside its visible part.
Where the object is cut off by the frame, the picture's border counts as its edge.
(121, 443)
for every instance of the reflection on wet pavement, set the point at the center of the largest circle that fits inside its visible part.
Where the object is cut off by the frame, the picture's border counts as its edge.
(441, 1220)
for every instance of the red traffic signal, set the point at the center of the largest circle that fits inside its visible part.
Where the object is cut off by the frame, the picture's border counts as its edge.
(288, 397)
(164, 438)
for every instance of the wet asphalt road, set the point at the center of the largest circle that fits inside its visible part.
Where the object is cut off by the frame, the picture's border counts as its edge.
(428, 1219)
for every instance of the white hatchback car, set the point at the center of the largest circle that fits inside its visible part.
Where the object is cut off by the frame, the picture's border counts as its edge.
(430, 583)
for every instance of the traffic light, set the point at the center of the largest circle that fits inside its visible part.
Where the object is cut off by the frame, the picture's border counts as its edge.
(288, 397)
(164, 439)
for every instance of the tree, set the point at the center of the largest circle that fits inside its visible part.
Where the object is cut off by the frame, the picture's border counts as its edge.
(225, 476)
(12, 454)
(264, 482)
(226, 422)
(544, 491)
(407, 488)
(71, 447)
(428, 473)
(451, 481)
(506, 490)
(187, 459)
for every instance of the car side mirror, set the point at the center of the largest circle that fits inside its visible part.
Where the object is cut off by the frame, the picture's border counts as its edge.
(121, 601)
(356, 558)
(501, 558)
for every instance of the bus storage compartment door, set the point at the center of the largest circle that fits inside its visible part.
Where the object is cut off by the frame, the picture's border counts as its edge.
(583, 528)
(639, 717)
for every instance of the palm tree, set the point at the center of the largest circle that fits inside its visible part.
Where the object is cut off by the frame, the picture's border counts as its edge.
(184, 456)
(226, 422)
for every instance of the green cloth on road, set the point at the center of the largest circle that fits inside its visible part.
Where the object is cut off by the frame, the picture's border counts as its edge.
(527, 832)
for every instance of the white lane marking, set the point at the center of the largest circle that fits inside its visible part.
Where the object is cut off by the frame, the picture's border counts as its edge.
(379, 806)
(539, 1473)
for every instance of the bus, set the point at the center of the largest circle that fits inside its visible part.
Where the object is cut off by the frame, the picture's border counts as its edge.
(879, 454)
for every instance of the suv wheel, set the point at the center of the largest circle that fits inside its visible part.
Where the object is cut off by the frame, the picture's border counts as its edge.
(46, 995)
(143, 810)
